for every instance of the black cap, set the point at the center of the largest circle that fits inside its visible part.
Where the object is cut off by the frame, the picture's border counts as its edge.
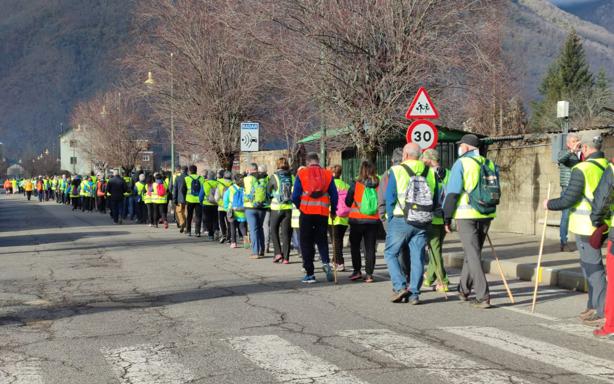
(471, 140)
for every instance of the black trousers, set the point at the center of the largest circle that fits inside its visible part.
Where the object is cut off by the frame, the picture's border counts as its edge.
(237, 226)
(161, 212)
(338, 231)
(101, 204)
(195, 211)
(313, 233)
(210, 218)
(281, 228)
(29, 194)
(152, 214)
(222, 219)
(368, 233)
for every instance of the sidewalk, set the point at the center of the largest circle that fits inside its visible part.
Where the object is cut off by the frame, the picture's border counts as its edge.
(518, 257)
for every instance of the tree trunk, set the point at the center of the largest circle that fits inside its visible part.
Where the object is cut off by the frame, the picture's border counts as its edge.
(226, 160)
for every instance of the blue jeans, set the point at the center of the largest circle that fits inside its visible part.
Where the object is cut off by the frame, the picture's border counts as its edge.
(399, 235)
(564, 228)
(128, 208)
(255, 224)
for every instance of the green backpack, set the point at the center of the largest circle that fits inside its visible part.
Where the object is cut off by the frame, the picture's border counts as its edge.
(258, 195)
(369, 203)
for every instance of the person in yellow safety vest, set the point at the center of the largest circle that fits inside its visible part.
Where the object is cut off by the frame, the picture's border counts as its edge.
(257, 203)
(223, 183)
(407, 221)
(280, 189)
(338, 226)
(194, 185)
(207, 198)
(28, 186)
(472, 225)
(54, 187)
(148, 200)
(436, 234)
(75, 192)
(159, 197)
(233, 202)
(141, 208)
(578, 196)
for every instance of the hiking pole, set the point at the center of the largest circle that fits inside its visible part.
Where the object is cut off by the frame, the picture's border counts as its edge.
(507, 287)
(541, 253)
(334, 254)
(437, 272)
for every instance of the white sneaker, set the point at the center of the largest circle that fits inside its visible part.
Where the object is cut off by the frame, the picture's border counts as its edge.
(341, 268)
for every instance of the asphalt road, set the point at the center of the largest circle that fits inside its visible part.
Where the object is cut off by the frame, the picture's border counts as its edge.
(84, 301)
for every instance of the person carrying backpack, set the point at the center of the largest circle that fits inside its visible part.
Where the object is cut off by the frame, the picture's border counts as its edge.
(223, 183)
(338, 226)
(280, 188)
(435, 270)
(409, 210)
(315, 194)
(363, 220)
(194, 184)
(207, 198)
(160, 200)
(473, 206)
(233, 203)
(256, 202)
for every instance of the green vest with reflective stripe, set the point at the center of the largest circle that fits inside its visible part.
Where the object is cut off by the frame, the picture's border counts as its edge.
(147, 199)
(402, 179)
(275, 204)
(157, 199)
(341, 186)
(188, 186)
(140, 188)
(296, 214)
(209, 187)
(222, 185)
(441, 185)
(579, 217)
(471, 177)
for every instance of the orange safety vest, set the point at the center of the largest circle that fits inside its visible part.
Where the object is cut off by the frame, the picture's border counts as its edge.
(99, 191)
(39, 185)
(311, 205)
(359, 189)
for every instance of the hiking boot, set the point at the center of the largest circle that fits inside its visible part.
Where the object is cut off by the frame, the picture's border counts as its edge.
(602, 334)
(594, 321)
(588, 312)
(278, 258)
(329, 272)
(341, 268)
(368, 279)
(398, 296)
(309, 279)
(484, 304)
(414, 300)
(356, 275)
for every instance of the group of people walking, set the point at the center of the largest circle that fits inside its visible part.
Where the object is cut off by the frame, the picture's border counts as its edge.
(413, 205)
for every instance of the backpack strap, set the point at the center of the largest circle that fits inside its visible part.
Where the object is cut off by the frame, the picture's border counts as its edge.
(595, 163)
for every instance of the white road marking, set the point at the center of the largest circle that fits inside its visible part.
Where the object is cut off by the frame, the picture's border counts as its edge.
(528, 313)
(447, 366)
(147, 364)
(540, 351)
(19, 369)
(289, 363)
(577, 330)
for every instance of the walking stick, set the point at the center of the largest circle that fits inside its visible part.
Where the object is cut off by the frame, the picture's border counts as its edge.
(334, 254)
(507, 287)
(541, 252)
(437, 272)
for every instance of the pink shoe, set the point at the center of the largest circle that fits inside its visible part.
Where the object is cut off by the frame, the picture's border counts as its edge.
(278, 258)
(286, 262)
(233, 245)
(602, 333)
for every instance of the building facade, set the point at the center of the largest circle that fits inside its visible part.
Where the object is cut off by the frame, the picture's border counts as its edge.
(72, 158)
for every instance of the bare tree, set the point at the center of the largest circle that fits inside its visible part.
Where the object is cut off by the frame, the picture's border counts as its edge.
(217, 78)
(112, 129)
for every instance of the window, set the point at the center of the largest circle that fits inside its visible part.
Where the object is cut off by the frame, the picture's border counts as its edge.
(73, 143)
(73, 160)
(145, 157)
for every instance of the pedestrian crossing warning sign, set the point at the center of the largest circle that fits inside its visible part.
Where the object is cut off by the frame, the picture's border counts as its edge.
(422, 107)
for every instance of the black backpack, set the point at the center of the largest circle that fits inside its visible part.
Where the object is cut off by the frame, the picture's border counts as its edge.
(195, 186)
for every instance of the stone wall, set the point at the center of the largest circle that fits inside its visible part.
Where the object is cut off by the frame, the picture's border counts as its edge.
(526, 171)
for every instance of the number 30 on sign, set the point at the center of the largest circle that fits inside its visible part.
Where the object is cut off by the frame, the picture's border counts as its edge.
(424, 133)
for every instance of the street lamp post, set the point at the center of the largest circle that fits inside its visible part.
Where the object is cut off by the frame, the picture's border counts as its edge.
(562, 112)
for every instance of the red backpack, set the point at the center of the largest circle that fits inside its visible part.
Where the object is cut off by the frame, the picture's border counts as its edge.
(315, 184)
(161, 190)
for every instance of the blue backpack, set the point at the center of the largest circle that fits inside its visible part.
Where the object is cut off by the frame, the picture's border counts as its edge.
(237, 199)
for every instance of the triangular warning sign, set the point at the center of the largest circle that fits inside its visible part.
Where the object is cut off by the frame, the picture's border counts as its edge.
(422, 107)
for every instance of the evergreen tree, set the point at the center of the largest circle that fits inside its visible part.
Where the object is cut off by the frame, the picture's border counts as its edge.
(568, 78)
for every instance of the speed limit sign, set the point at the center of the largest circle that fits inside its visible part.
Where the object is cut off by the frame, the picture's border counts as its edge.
(424, 133)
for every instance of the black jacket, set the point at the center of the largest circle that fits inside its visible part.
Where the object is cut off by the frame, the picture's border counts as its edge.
(179, 189)
(116, 187)
(604, 196)
(575, 190)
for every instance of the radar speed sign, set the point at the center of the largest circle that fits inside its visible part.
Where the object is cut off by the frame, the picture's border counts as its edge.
(424, 133)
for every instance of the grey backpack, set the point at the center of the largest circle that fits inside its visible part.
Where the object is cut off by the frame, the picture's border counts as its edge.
(417, 203)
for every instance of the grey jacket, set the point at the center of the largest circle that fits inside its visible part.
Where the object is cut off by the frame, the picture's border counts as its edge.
(179, 189)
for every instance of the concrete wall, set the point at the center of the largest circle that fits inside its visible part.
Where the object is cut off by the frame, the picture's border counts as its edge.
(526, 171)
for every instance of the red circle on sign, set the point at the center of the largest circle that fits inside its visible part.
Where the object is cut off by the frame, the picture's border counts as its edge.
(424, 133)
